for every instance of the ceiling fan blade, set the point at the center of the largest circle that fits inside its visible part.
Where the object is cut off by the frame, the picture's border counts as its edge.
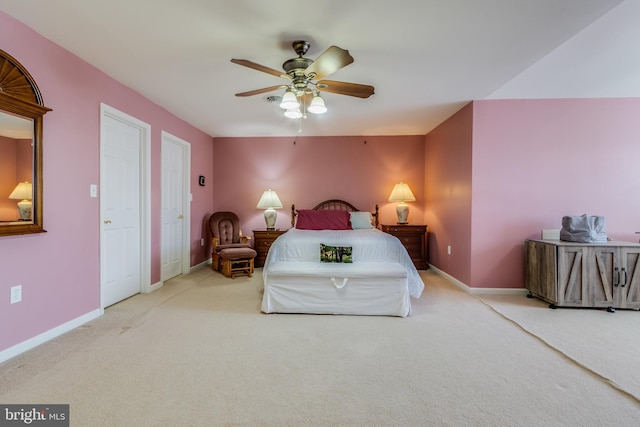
(344, 88)
(330, 61)
(253, 65)
(259, 91)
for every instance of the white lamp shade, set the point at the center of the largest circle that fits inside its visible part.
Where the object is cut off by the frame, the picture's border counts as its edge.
(269, 200)
(401, 193)
(317, 105)
(23, 191)
(289, 101)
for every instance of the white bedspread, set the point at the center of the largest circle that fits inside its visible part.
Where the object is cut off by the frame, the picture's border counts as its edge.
(370, 245)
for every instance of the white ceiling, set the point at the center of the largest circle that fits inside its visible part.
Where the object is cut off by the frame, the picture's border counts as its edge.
(426, 58)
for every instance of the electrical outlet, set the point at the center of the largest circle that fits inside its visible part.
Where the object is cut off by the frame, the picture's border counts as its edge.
(16, 294)
(448, 250)
(201, 242)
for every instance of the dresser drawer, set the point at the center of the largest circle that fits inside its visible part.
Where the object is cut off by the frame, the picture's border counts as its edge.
(414, 239)
(411, 241)
(262, 241)
(407, 229)
(263, 244)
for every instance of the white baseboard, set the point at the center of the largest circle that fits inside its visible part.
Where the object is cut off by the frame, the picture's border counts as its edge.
(48, 335)
(479, 291)
(155, 286)
(201, 265)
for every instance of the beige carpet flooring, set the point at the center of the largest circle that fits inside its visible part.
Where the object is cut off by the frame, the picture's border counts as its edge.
(198, 352)
(607, 344)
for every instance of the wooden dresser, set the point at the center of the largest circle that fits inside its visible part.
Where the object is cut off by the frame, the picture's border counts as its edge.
(414, 238)
(262, 240)
(596, 275)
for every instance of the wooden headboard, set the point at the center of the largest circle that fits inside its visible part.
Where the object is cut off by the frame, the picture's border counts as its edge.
(336, 205)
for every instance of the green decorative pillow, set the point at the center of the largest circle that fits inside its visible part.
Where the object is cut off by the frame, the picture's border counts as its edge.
(335, 253)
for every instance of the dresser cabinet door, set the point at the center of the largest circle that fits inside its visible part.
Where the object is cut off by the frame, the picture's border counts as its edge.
(628, 286)
(541, 270)
(572, 276)
(604, 272)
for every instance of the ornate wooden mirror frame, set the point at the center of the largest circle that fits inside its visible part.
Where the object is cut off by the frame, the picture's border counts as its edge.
(20, 96)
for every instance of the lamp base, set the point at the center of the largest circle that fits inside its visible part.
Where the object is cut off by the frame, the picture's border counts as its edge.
(402, 211)
(24, 209)
(270, 216)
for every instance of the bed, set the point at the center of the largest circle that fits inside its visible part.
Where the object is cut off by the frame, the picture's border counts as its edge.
(321, 266)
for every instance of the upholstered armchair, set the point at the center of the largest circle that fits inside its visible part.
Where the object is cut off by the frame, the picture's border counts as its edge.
(231, 252)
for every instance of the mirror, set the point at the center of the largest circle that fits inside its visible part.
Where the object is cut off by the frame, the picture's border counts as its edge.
(21, 116)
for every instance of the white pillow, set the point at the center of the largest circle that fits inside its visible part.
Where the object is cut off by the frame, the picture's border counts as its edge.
(360, 220)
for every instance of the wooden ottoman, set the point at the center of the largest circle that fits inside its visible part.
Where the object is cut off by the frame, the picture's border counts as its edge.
(237, 261)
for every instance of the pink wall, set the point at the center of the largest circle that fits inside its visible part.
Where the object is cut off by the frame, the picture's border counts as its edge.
(361, 170)
(59, 270)
(24, 160)
(535, 161)
(448, 192)
(8, 178)
(531, 162)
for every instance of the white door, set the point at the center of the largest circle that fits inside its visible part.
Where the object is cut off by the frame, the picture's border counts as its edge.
(175, 206)
(123, 203)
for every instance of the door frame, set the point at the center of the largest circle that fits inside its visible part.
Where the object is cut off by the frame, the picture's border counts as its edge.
(107, 111)
(166, 137)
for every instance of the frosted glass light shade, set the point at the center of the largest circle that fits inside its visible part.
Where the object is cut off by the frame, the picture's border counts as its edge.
(289, 101)
(317, 105)
(293, 114)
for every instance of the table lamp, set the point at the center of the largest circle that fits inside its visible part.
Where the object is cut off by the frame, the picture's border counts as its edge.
(24, 193)
(402, 193)
(270, 202)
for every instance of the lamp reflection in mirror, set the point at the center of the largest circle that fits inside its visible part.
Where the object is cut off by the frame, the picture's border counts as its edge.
(402, 193)
(24, 193)
(270, 202)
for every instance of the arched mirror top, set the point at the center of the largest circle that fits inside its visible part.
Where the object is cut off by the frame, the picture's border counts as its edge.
(21, 112)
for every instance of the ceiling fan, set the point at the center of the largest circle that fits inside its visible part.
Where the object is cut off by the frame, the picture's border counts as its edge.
(304, 74)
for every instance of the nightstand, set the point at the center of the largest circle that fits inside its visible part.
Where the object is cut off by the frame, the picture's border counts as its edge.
(262, 240)
(414, 238)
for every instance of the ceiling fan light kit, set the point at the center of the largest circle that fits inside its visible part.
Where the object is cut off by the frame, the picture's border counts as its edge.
(317, 105)
(289, 101)
(293, 113)
(304, 74)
